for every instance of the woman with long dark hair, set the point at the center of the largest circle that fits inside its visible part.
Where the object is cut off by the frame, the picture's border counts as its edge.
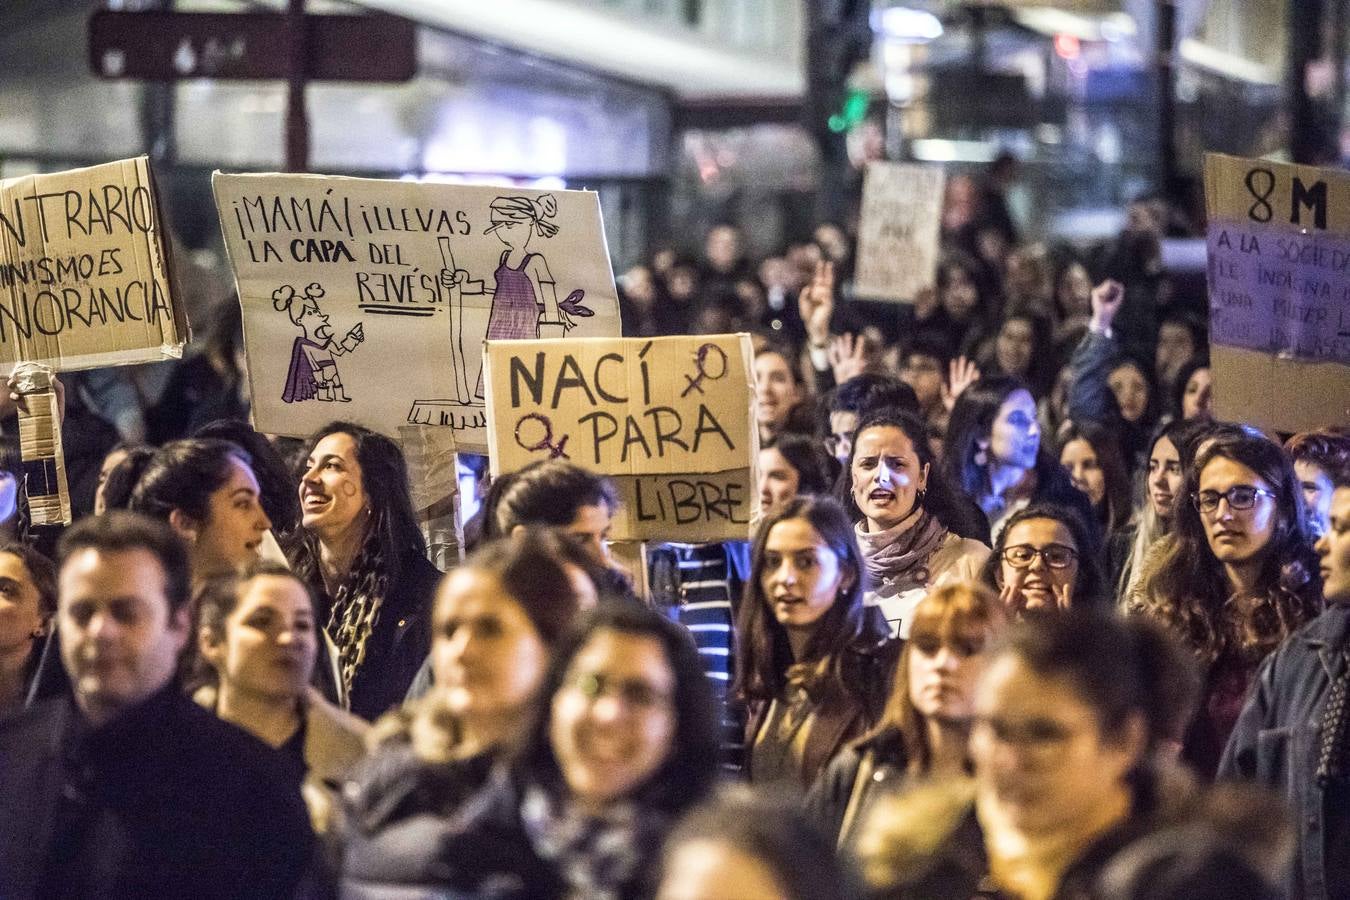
(813, 663)
(620, 744)
(925, 729)
(206, 490)
(914, 530)
(1091, 456)
(994, 453)
(1039, 563)
(497, 619)
(1236, 578)
(360, 549)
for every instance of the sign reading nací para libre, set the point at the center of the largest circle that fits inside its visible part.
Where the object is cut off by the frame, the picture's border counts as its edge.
(668, 419)
(369, 300)
(84, 270)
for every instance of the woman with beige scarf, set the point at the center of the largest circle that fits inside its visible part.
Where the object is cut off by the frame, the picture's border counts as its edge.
(915, 532)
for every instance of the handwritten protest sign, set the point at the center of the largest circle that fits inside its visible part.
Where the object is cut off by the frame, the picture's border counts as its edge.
(84, 270)
(669, 419)
(899, 231)
(369, 300)
(1279, 292)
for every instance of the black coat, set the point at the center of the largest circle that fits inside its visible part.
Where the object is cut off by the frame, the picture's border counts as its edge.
(164, 801)
(414, 829)
(399, 642)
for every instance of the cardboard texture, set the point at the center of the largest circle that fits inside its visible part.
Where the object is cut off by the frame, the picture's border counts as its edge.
(84, 270)
(669, 419)
(1279, 292)
(369, 300)
(899, 232)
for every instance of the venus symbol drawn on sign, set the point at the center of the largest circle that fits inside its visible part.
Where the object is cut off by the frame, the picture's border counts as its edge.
(695, 382)
(545, 442)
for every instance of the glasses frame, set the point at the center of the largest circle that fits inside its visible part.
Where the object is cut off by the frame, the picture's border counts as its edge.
(1039, 552)
(1257, 493)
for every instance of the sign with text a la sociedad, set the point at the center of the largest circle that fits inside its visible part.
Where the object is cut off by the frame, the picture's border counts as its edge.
(1279, 292)
(899, 231)
(369, 300)
(668, 419)
(84, 270)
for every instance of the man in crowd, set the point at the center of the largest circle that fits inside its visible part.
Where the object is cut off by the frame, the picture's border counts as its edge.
(1294, 733)
(128, 788)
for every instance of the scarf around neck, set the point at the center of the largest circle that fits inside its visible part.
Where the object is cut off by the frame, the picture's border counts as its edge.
(898, 557)
(598, 857)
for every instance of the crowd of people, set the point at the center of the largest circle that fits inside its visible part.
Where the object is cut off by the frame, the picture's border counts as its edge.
(1019, 619)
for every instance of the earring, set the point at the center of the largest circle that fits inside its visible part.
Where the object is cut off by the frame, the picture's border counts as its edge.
(918, 498)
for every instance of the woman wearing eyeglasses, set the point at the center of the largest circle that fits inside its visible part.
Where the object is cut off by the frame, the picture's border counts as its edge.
(1237, 577)
(1042, 562)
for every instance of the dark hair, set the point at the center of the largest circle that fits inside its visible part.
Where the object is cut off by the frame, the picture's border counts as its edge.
(690, 768)
(1121, 668)
(213, 603)
(119, 530)
(1114, 511)
(183, 474)
(531, 568)
(1197, 362)
(776, 834)
(40, 569)
(1089, 587)
(788, 358)
(941, 499)
(808, 459)
(1041, 368)
(384, 478)
(868, 392)
(278, 491)
(763, 654)
(548, 492)
(928, 345)
(971, 421)
(1150, 413)
(122, 478)
(1185, 587)
(1328, 449)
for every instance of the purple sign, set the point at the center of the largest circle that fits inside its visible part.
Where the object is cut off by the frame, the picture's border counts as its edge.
(1279, 290)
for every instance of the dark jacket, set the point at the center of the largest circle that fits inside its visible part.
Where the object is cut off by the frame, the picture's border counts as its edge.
(399, 642)
(838, 720)
(1179, 843)
(1091, 399)
(1276, 742)
(417, 829)
(850, 785)
(164, 801)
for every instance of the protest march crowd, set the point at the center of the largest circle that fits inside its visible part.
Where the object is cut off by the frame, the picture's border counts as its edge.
(1020, 618)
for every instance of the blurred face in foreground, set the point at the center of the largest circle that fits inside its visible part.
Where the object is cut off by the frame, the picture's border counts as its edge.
(1042, 761)
(709, 869)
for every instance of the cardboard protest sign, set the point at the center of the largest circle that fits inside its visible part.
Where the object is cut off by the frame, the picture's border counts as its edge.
(84, 270)
(369, 300)
(669, 419)
(899, 231)
(1279, 292)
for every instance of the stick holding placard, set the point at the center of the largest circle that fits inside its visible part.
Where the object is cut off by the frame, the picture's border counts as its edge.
(43, 465)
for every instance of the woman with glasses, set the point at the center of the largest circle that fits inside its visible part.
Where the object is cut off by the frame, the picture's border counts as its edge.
(813, 663)
(1071, 796)
(622, 743)
(1039, 563)
(1237, 577)
(914, 530)
(925, 729)
(994, 454)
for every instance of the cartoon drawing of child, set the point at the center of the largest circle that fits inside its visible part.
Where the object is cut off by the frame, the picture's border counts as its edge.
(524, 299)
(313, 372)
